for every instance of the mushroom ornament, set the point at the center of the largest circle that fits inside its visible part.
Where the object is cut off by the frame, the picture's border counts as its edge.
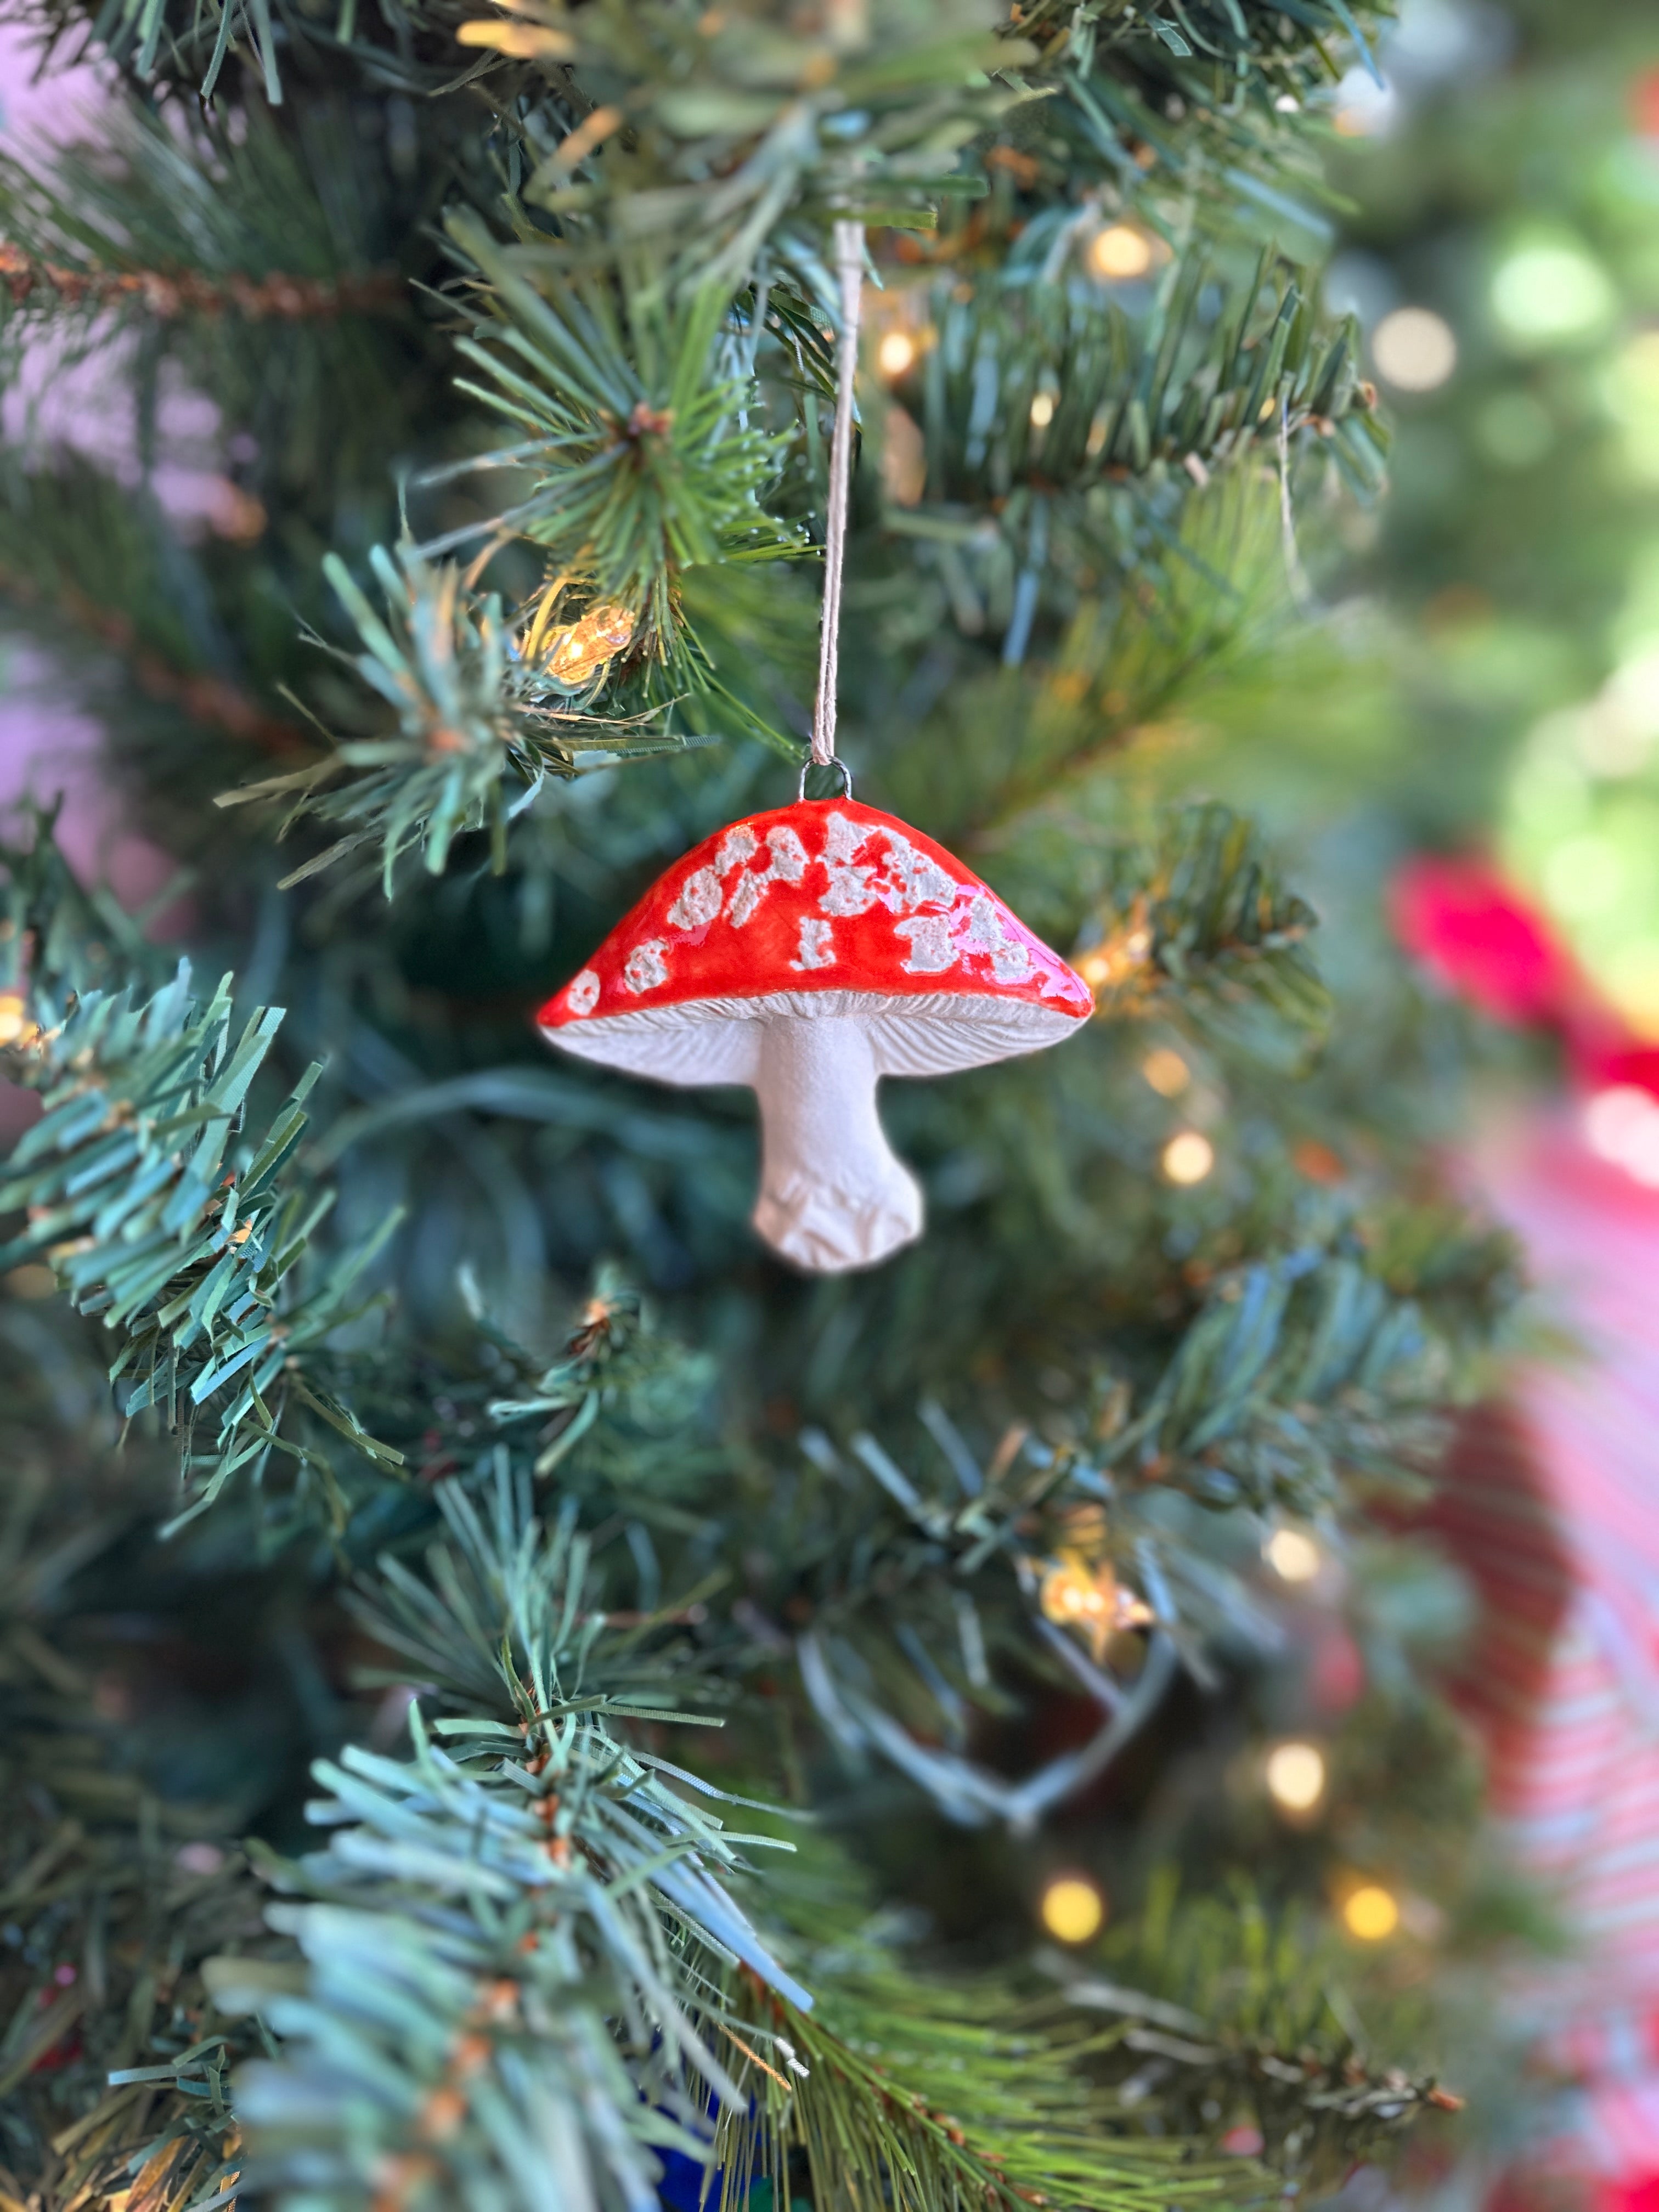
(807, 952)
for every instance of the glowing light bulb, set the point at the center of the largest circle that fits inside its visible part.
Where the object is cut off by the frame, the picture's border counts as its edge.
(1118, 251)
(575, 652)
(1042, 411)
(1371, 1913)
(1072, 1908)
(1414, 349)
(1167, 1071)
(896, 353)
(1295, 1776)
(1088, 1596)
(1189, 1157)
(1293, 1557)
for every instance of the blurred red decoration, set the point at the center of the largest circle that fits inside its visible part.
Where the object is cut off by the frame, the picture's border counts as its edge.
(1645, 114)
(1479, 937)
(1336, 1676)
(1631, 2196)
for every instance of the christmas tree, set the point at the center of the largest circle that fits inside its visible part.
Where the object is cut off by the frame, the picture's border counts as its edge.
(515, 1696)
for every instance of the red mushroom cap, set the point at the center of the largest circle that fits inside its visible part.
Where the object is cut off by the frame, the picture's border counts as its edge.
(823, 907)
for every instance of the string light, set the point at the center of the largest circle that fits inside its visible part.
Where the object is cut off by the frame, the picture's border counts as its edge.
(896, 353)
(1075, 1595)
(1042, 410)
(1293, 1557)
(14, 1018)
(1295, 1776)
(1167, 1071)
(1072, 1908)
(1104, 966)
(1189, 1157)
(1414, 349)
(1118, 251)
(1369, 1913)
(573, 654)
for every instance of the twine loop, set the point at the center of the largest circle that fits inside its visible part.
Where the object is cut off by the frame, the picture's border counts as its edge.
(849, 268)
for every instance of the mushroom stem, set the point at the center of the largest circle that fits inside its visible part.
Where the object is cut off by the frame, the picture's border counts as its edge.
(833, 1195)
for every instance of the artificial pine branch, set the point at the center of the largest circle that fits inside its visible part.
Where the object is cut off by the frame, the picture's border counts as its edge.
(476, 702)
(1226, 2006)
(183, 1239)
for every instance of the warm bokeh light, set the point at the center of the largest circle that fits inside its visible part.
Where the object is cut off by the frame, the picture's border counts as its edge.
(1120, 252)
(1124, 952)
(1042, 410)
(1166, 1071)
(1414, 349)
(896, 353)
(1072, 1908)
(1085, 1595)
(1189, 1157)
(1293, 1557)
(1371, 1913)
(14, 1018)
(1295, 1776)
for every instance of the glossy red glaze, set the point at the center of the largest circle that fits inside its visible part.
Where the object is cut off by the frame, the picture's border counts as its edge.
(823, 896)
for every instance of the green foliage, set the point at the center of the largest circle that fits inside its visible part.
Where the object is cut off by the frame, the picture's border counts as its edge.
(643, 458)
(472, 709)
(57, 939)
(517, 1932)
(1196, 97)
(184, 1241)
(1080, 429)
(112, 1893)
(645, 1384)
(709, 142)
(1228, 2007)
(1198, 919)
(608, 1571)
(1041, 2126)
(201, 222)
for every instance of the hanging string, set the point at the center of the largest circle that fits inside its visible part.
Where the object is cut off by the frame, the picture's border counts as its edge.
(849, 267)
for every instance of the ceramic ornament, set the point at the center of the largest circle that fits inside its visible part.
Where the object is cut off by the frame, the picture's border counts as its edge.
(808, 952)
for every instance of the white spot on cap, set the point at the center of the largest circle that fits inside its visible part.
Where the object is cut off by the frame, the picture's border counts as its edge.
(817, 948)
(739, 844)
(789, 854)
(645, 966)
(787, 864)
(699, 900)
(1011, 961)
(915, 880)
(583, 994)
(931, 950)
(850, 891)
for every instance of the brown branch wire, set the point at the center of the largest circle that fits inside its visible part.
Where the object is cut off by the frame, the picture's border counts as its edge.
(205, 699)
(280, 296)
